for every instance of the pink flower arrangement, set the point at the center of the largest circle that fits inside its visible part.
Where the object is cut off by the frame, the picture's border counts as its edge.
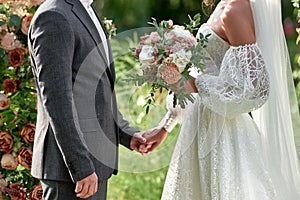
(165, 59)
(158, 51)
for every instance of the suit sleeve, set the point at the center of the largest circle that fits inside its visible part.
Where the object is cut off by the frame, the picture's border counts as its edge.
(52, 45)
(126, 131)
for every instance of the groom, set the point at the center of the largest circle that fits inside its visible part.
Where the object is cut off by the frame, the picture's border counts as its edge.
(79, 126)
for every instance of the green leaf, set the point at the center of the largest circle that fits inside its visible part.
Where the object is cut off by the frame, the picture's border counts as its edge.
(20, 168)
(169, 42)
(2, 23)
(160, 57)
(2, 52)
(132, 49)
(32, 9)
(15, 21)
(3, 8)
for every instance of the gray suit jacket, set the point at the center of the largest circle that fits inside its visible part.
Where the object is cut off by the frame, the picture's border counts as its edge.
(79, 126)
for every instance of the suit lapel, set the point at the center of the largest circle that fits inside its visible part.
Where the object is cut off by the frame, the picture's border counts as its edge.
(85, 19)
(111, 64)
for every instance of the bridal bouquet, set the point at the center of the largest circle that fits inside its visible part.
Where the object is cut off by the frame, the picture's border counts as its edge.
(166, 57)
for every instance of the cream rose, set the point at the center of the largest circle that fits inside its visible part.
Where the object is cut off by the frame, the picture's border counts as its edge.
(4, 102)
(181, 58)
(8, 161)
(181, 32)
(146, 56)
(9, 42)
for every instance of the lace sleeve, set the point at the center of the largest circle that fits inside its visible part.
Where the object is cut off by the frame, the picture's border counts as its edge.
(173, 116)
(241, 86)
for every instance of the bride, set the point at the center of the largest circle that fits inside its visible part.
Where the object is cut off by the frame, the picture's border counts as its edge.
(237, 138)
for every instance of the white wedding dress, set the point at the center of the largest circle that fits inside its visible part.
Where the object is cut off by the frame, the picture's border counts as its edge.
(219, 153)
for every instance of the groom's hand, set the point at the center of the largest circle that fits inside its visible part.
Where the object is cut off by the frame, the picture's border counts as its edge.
(154, 138)
(87, 186)
(137, 140)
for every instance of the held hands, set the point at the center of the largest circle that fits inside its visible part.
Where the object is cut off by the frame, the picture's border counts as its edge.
(137, 140)
(153, 138)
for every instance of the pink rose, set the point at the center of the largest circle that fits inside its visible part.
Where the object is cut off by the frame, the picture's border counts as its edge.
(169, 73)
(15, 57)
(36, 193)
(138, 50)
(35, 3)
(8, 161)
(25, 24)
(25, 157)
(4, 102)
(10, 86)
(6, 142)
(153, 38)
(27, 133)
(9, 42)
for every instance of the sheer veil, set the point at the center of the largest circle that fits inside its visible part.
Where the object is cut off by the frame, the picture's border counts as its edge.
(278, 120)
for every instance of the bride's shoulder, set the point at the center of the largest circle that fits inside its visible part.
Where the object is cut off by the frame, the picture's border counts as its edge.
(238, 23)
(237, 8)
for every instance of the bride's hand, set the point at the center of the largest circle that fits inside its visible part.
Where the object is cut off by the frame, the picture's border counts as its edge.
(154, 138)
(189, 86)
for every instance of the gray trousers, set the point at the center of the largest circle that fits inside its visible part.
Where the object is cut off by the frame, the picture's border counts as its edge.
(59, 190)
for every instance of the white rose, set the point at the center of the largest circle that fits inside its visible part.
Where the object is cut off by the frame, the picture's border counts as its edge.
(146, 56)
(181, 58)
(179, 32)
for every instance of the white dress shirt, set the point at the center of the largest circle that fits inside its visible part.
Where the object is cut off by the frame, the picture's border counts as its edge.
(87, 5)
